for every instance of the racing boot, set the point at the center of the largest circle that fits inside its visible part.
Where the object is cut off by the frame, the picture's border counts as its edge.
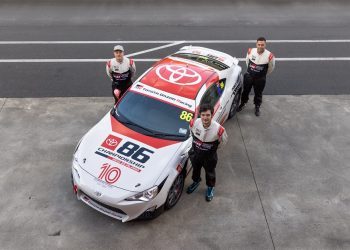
(210, 194)
(257, 110)
(191, 188)
(240, 107)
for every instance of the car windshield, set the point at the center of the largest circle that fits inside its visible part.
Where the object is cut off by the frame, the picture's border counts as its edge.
(207, 60)
(152, 117)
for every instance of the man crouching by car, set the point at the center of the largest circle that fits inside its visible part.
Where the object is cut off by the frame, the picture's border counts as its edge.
(207, 135)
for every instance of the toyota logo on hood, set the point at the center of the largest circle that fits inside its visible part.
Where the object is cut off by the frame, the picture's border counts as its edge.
(112, 142)
(178, 75)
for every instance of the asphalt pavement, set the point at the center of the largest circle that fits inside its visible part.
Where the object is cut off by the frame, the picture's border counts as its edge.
(283, 178)
(282, 181)
(169, 22)
(300, 72)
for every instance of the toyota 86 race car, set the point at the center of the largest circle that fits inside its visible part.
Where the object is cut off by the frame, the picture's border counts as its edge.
(133, 163)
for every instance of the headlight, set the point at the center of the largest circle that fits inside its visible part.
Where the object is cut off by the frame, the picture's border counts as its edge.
(76, 173)
(75, 167)
(146, 195)
(76, 148)
(75, 159)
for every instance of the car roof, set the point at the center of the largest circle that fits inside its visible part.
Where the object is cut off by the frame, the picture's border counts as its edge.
(180, 77)
(218, 55)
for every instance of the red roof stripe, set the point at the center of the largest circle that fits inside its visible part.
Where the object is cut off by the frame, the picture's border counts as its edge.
(179, 78)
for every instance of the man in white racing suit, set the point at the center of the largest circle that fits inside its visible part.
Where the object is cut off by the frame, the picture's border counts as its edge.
(260, 62)
(120, 70)
(207, 135)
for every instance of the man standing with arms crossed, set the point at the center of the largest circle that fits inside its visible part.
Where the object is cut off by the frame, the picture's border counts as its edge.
(260, 62)
(120, 70)
(207, 135)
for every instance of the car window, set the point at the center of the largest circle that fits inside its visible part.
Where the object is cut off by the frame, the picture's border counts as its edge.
(207, 60)
(153, 117)
(214, 92)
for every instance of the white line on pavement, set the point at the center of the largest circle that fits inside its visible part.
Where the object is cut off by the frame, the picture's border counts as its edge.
(272, 41)
(314, 59)
(50, 60)
(168, 41)
(154, 60)
(156, 48)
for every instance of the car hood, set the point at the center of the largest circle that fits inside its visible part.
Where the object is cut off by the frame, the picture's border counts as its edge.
(122, 157)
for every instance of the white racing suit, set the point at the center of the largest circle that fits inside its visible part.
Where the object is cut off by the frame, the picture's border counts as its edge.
(120, 74)
(204, 147)
(258, 66)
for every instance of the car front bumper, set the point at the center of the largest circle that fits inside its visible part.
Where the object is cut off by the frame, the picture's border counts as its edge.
(110, 200)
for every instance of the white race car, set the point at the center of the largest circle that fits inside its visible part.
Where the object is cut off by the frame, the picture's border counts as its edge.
(133, 163)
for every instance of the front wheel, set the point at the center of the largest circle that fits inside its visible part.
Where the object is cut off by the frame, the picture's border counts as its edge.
(235, 104)
(175, 191)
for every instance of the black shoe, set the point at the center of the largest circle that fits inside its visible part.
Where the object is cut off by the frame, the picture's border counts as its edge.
(257, 110)
(192, 187)
(240, 107)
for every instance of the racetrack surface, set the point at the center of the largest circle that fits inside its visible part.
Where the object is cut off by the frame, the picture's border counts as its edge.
(23, 23)
(283, 178)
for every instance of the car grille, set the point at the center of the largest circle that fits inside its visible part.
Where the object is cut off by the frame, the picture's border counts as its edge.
(105, 205)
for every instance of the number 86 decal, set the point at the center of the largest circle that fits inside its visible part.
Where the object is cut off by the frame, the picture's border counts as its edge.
(134, 151)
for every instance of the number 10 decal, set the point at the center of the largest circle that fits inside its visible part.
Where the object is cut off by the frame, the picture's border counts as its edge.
(109, 174)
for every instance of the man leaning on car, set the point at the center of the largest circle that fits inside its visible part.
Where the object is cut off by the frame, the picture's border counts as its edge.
(207, 135)
(120, 70)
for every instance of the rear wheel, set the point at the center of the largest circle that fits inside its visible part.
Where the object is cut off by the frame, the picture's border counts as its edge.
(175, 191)
(235, 104)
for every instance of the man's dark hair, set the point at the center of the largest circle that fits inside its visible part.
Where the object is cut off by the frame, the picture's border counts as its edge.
(206, 106)
(261, 39)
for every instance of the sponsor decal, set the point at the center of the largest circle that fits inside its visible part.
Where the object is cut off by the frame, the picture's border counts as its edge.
(204, 146)
(120, 76)
(105, 153)
(208, 55)
(183, 103)
(139, 86)
(164, 96)
(187, 116)
(160, 94)
(179, 75)
(222, 59)
(220, 87)
(255, 67)
(197, 52)
(222, 84)
(182, 131)
(111, 142)
(128, 154)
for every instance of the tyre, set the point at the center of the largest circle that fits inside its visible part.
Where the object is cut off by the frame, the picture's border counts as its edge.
(175, 191)
(235, 104)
